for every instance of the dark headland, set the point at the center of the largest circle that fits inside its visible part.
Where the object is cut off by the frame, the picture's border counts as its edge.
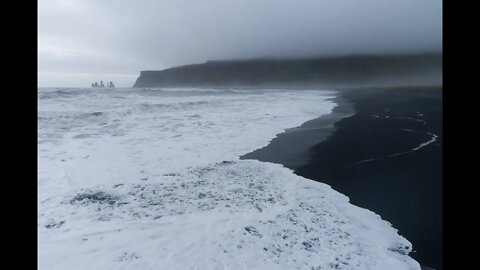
(365, 150)
(338, 71)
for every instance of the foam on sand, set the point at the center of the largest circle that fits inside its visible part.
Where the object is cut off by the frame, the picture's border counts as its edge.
(136, 179)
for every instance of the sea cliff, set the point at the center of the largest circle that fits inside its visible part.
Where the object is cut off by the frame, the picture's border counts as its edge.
(344, 71)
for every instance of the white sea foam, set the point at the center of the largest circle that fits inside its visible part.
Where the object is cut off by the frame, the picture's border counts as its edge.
(151, 179)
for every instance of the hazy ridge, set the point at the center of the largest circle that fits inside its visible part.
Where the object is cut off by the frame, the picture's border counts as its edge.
(340, 71)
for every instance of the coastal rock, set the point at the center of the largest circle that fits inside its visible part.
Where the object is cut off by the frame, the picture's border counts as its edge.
(356, 70)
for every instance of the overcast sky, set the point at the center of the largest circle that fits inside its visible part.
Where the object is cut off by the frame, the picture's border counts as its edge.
(80, 41)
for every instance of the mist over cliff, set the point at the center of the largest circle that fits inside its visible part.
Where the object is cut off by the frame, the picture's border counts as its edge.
(339, 71)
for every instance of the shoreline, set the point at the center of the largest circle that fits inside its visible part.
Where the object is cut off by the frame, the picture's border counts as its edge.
(189, 184)
(371, 156)
(301, 138)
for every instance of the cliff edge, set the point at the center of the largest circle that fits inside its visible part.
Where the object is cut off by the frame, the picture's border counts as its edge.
(344, 71)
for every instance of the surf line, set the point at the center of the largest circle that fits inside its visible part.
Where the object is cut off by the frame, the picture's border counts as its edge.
(424, 144)
(410, 118)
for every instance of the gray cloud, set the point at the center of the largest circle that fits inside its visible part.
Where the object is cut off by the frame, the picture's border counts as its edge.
(81, 41)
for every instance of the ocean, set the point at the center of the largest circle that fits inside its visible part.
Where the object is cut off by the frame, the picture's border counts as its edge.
(152, 179)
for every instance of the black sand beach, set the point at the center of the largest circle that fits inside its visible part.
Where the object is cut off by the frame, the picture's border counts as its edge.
(387, 157)
(301, 139)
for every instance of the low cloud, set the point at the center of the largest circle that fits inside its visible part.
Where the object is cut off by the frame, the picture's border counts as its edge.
(124, 37)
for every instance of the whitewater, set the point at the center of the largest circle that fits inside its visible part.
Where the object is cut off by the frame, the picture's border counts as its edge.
(152, 179)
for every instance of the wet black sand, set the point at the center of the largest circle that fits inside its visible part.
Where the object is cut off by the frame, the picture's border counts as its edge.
(292, 147)
(404, 189)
